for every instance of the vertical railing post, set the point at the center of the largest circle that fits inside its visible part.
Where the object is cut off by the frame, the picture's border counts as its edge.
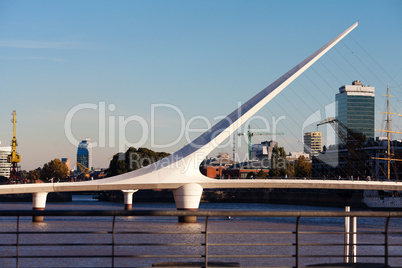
(297, 241)
(206, 241)
(346, 237)
(113, 226)
(353, 248)
(386, 241)
(17, 242)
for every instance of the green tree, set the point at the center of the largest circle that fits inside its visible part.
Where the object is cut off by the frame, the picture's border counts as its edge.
(117, 166)
(278, 162)
(133, 159)
(55, 170)
(290, 170)
(302, 167)
(23, 175)
(33, 175)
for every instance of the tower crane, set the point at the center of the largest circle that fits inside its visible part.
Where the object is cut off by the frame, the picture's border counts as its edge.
(354, 143)
(250, 134)
(14, 158)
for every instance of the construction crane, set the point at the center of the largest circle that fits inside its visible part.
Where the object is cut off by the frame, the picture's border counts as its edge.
(84, 170)
(14, 158)
(250, 134)
(354, 143)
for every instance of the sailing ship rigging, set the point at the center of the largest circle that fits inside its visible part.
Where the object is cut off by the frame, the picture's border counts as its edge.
(380, 199)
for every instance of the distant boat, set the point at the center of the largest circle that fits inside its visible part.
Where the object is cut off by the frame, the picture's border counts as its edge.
(385, 200)
(229, 217)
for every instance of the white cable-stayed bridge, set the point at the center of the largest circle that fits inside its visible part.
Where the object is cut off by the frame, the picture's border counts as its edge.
(180, 173)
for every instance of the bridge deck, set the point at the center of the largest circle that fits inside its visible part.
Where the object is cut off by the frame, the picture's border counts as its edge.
(206, 184)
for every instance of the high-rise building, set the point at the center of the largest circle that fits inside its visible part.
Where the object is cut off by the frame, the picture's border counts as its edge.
(84, 153)
(4, 165)
(355, 108)
(312, 143)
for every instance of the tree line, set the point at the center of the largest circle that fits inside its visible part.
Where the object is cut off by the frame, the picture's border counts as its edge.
(57, 171)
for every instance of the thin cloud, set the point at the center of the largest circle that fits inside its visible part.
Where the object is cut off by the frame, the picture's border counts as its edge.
(41, 45)
(46, 59)
(33, 58)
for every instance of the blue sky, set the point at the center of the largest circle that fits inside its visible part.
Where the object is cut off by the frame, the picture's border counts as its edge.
(200, 57)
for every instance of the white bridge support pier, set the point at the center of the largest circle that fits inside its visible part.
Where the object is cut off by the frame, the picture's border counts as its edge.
(128, 199)
(188, 197)
(38, 203)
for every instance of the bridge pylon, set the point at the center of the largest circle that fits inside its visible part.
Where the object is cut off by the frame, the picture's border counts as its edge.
(128, 199)
(38, 203)
(188, 197)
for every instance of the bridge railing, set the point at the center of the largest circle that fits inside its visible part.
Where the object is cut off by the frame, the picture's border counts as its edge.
(143, 238)
(329, 178)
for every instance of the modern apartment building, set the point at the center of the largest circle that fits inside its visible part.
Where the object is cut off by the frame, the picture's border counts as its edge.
(312, 143)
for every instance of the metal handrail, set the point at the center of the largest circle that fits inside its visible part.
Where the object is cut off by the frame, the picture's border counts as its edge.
(202, 213)
(206, 232)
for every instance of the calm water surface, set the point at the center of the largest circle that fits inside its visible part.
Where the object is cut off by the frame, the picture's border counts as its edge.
(162, 224)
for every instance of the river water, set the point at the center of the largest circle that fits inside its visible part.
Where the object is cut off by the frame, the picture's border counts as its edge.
(162, 224)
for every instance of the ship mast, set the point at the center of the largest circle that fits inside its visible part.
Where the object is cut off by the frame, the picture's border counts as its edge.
(389, 154)
(388, 137)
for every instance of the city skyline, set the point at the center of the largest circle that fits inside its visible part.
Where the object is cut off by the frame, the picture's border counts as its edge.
(129, 60)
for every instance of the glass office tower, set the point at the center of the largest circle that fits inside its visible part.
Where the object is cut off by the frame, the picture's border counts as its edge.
(84, 153)
(355, 108)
